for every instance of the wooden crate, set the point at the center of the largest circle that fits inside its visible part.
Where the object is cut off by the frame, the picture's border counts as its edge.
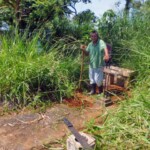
(118, 76)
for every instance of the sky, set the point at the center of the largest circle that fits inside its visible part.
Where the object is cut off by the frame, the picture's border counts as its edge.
(100, 6)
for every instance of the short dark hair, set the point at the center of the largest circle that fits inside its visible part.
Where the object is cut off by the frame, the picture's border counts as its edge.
(94, 31)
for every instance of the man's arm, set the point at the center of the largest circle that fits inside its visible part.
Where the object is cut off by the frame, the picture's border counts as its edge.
(104, 47)
(83, 48)
(106, 54)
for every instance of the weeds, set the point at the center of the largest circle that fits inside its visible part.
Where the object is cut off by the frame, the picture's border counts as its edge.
(26, 73)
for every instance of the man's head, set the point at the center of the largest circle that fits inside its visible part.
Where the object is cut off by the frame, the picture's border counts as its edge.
(94, 36)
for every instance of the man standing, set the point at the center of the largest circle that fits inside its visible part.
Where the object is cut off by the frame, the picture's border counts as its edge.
(98, 54)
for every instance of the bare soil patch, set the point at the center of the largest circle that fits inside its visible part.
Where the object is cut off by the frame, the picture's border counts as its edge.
(40, 131)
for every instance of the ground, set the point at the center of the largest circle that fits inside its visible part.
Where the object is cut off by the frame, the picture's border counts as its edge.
(40, 131)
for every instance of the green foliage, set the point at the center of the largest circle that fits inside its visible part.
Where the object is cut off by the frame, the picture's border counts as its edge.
(35, 13)
(26, 73)
(85, 17)
(128, 127)
(136, 50)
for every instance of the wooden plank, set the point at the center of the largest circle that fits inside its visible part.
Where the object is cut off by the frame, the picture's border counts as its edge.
(118, 71)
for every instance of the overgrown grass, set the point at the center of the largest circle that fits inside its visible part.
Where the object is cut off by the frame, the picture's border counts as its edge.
(28, 74)
(128, 127)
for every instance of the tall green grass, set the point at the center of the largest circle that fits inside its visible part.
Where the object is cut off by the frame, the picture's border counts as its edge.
(128, 126)
(27, 73)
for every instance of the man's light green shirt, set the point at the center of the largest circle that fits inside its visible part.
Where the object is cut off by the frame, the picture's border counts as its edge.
(96, 53)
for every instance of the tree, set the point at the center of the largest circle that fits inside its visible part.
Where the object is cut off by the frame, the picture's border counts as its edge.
(86, 16)
(69, 5)
(127, 6)
(106, 24)
(135, 4)
(35, 13)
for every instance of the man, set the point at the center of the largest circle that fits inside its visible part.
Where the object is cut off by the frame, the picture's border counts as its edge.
(98, 54)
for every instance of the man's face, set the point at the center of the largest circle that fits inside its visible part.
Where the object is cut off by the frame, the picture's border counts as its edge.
(94, 37)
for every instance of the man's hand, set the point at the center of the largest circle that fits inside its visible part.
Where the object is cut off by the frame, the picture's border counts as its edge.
(106, 58)
(83, 47)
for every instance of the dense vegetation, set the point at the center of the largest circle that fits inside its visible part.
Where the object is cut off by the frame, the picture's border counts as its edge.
(28, 73)
(40, 62)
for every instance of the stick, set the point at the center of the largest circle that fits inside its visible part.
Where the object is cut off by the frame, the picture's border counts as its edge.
(81, 70)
